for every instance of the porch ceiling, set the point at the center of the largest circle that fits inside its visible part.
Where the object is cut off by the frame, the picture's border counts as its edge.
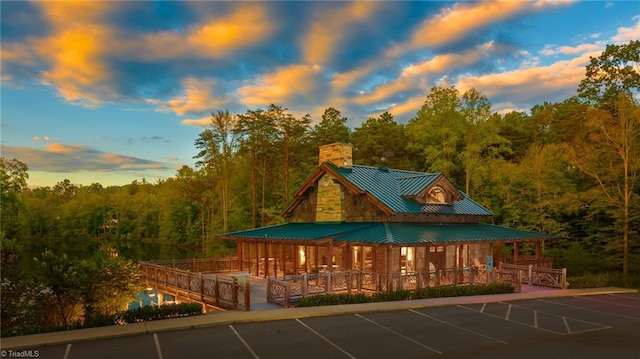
(389, 233)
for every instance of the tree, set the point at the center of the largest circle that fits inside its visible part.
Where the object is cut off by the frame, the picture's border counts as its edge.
(218, 145)
(257, 134)
(435, 134)
(332, 128)
(616, 71)
(609, 152)
(482, 142)
(380, 141)
(293, 135)
(13, 181)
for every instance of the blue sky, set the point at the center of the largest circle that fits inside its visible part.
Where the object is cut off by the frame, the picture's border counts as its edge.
(116, 91)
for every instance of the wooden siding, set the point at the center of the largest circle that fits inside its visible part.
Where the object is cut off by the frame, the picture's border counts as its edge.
(305, 211)
(358, 208)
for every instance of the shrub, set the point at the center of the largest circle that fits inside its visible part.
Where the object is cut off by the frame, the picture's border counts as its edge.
(423, 293)
(610, 279)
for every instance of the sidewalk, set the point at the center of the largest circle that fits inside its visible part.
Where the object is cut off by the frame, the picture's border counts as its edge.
(234, 317)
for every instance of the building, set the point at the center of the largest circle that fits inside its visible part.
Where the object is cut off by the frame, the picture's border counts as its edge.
(347, 217)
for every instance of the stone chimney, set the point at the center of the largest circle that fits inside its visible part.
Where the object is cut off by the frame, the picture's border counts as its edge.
(330, 200)
(340, 154)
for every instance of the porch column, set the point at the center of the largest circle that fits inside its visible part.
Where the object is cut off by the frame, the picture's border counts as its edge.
(516, 255)
(537, 251)
(497, 248)
(330, 256)
(284, 261)
(240, 253)
(266, 260)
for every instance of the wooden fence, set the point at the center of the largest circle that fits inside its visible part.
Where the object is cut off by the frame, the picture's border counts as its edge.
(202, 287)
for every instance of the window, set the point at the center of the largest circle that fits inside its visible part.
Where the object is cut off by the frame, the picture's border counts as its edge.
(436, 195)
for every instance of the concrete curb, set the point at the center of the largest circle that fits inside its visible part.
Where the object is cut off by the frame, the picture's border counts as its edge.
(226, 318)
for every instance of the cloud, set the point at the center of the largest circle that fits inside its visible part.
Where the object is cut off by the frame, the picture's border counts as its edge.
(216, 37)
(200, 122)
(63, 158)
(197, 97)
(531, 85)
(330, 27)
(455, 22)
(627, 34)
(282, 85)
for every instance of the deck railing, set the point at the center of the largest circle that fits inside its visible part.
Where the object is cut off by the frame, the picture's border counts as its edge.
(202, 287)
(202, 265)
(530, 274)
(289, 290)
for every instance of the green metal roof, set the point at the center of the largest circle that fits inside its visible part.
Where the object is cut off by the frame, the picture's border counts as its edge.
(390, 233)
(390, 185)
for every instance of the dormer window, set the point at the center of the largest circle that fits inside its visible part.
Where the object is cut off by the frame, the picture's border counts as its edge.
(436, 195)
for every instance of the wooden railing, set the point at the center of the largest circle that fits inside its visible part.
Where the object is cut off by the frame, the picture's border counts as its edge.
(530, 274)
(289, 290)
(202, 265)
(206, 288)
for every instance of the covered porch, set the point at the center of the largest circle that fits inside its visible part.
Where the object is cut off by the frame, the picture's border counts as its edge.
(383, 248)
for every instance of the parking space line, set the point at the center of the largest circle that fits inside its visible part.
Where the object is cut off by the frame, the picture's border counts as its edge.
(566, 325)
(457, 326)
(512, 321)
(326, 339)
(66, 351)
(625, 296)
(398, 334)
(244, 342)
(535, 319)
(155, 339)
(508, 312)
(484, 305)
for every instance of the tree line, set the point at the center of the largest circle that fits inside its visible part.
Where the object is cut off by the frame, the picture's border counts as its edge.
(569, 168)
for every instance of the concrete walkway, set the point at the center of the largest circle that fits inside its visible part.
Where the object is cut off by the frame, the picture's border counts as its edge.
(278, 313)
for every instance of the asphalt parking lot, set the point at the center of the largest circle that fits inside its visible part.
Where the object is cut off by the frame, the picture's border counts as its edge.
(600, 326)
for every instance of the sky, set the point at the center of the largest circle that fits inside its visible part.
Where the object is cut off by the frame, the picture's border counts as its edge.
(116, 91)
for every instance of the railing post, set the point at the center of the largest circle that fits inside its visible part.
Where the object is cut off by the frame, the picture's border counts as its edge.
(564, 279)
(287, 295)
(418, 280)
(216, 290)
(234, 294)
(472, 274)
(304, 284)
(438, 275)
(247, 295)
(329, 287)
(201, 287)
(349, 282)
(519, 280)
(530, 273)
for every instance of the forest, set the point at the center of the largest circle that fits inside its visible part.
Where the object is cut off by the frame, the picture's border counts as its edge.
(570, 168)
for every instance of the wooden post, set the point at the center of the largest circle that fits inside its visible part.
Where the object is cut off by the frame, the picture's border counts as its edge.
(234, 293)
(516, 254)
(305, 283)
(240, 252)
(283, 260)
(537, 251)
(266, 261)
(216, 290)
(247, 295)
(287, 295)
(201, 287)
